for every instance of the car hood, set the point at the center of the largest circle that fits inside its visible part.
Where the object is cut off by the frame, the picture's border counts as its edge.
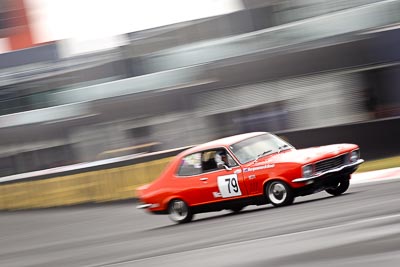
(308, 155)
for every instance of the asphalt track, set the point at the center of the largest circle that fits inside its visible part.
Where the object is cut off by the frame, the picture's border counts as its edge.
(359, 228)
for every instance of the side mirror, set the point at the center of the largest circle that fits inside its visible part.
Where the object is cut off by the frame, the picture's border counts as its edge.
(227, 168)
(224, 166)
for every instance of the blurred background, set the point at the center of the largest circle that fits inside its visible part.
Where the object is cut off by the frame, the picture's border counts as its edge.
(89, 80)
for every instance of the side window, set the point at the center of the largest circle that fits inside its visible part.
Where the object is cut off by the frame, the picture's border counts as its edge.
(205, 161)
(225, 158)
(231, 161)
(208, 161)
(190, 165)
(214, 158)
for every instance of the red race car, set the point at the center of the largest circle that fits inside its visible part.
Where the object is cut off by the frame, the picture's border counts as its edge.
(247, 169)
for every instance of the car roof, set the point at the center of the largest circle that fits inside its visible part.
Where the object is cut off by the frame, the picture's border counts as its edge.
(223, 142)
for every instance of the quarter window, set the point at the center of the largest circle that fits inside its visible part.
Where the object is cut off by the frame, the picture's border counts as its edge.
(190, 165)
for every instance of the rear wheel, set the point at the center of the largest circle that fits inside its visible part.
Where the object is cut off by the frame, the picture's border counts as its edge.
(279, 193)
(340, 188)
(179, 211)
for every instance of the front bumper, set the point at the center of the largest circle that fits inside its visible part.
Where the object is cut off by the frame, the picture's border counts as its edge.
(345, 169)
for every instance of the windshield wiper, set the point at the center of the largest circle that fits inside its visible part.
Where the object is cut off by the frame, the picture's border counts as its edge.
(284, 147)
(263, 154)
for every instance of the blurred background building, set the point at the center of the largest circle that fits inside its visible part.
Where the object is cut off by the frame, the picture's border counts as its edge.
(259, 65)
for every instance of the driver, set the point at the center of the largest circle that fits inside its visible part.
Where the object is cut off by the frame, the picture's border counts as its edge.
(221, 159)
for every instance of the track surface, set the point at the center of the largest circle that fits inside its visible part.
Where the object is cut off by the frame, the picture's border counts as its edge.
(360, 228)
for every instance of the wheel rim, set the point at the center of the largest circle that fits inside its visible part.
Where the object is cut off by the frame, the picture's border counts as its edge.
(336, 186)
(277, 193)
(178, 210)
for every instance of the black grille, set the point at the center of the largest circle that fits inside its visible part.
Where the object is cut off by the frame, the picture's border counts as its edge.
(330, 164)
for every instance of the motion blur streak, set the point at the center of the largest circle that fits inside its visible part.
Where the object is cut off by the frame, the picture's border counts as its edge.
(198, 72)
(358, 229)
(97, 96)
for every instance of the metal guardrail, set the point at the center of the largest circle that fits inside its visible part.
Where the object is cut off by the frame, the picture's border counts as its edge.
(104, 164)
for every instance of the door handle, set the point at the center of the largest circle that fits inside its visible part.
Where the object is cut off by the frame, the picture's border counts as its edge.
(252, 176)
(203, 179)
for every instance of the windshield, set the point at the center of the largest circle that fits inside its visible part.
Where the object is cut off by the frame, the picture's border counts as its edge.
(258, 146)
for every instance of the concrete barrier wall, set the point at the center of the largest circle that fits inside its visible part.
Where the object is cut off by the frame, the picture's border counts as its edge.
(87, 187)
(377, 139)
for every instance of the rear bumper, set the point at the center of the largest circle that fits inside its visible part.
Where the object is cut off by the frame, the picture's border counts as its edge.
(144, 206)
(340, 171)
(149, 207)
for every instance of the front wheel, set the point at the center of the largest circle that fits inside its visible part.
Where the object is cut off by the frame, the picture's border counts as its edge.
(340, 188)
(179, 211)
(279, 193)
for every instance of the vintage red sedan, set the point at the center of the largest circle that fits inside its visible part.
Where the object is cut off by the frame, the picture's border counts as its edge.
(248, 169)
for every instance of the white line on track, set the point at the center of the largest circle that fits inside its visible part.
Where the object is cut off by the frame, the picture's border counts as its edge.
(362, 221)
(376, 176)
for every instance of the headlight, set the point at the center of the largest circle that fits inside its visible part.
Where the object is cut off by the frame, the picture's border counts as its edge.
(354, 156)
(307, 171)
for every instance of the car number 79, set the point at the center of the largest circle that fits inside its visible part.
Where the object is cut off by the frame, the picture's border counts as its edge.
(229, 186)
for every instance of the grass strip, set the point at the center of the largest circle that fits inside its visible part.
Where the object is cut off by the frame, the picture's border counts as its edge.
(373, 165)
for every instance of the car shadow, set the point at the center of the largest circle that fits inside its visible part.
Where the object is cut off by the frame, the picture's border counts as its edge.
(260, 208)
(300, 201)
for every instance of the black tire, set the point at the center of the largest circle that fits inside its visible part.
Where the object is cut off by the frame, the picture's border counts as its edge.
(279, 193)
(340, 188)
(179, 211)
(237, 209)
